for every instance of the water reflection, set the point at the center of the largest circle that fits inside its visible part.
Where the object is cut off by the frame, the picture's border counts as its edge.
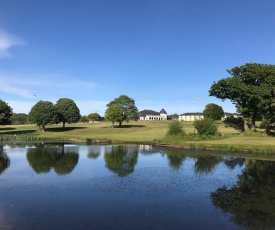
(205, 164)
(121, 159)
(232, 162)
(4, 160)
(252, 200)
(94, 152)
(42, 158)
(175, 158)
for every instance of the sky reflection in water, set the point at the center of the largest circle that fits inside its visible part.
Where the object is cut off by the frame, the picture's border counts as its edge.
(57, 186)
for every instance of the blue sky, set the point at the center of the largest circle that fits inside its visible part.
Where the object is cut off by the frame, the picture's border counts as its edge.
(163, 54)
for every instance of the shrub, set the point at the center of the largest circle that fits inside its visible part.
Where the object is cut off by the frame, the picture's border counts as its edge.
(206, 126)
(234, 122)
(175, 128)
(264, 124)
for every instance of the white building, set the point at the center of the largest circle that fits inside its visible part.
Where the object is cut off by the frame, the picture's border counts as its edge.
(151, 115)
(190, 116)
(199, 116)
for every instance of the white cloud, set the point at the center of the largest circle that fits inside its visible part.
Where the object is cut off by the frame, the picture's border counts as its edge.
(7, 41)
(7, 88)
(43, 85)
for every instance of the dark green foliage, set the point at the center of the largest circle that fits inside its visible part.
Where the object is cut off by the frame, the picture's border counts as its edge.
(19, 119)
(5, 113)
(234, 122)
(251, 88)
(206, 126)
(263, 124)
(114, 113)
(213, 111)
(43, 113)
(129, 109)
(84, 119)
(175, 129)
(67, 110)
(94, 117)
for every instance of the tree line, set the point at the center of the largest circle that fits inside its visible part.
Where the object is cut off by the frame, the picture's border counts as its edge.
(65, 110)
(250, 87)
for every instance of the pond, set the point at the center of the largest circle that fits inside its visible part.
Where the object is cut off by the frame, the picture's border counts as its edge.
(68, 186)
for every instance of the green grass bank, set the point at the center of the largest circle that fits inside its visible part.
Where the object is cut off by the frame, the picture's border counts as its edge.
(146, 132)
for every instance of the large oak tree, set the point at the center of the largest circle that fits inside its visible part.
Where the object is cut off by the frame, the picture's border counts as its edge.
(67, 110)
(43, 113)
(129, 109)
(5, 113)
(251, 88)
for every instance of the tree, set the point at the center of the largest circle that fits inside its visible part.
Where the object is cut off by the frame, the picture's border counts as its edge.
(43, 113)
(67, 110)
(84, 119)
(251, 89)
(5, 113)
(205, 126)
(114, 113)
(213, 111)
(94, 117)
(128, 107)
(175, 129)
(19, 118)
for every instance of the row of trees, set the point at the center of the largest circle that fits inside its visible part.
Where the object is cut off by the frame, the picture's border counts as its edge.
(250, 87)
(66, 111)
(45, 112)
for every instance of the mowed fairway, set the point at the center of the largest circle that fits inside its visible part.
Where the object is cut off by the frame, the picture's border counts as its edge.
(138, 132)
(129, 132)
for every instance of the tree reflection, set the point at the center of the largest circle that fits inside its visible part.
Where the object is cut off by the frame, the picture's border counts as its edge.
(175, 158)
(4, 160)
(252, 200)
(121, 159)
(232, 162)
(205, 164)
(43, 158)
(94, 152)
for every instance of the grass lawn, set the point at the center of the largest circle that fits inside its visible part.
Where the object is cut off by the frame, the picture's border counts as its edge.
(144, 132)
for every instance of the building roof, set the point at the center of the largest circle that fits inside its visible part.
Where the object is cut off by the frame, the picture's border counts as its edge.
(191, 114)
(201, 114)
(145, 112)
(162, 111)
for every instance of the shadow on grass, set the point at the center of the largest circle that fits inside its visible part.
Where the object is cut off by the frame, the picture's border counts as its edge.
(6, 128)
(126, 126)
(60, 129)
(18, 132)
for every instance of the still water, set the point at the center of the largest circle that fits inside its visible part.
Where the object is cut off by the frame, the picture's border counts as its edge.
(68, 186)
